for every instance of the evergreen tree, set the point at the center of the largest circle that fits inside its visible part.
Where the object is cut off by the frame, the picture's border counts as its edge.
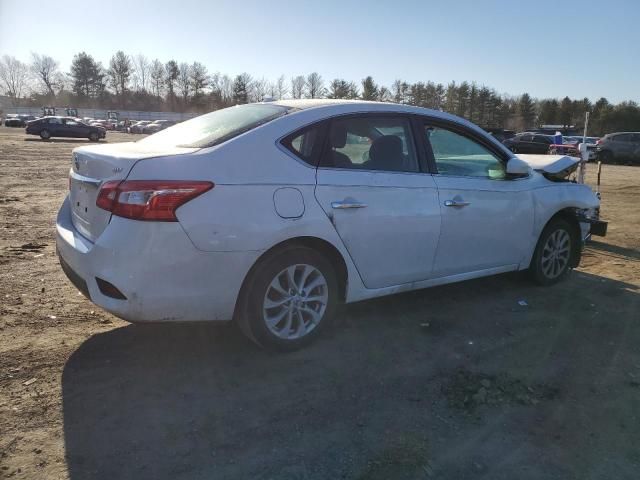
(369, 89)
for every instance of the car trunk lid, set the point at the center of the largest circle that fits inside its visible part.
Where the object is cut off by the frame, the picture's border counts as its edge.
(96, 164)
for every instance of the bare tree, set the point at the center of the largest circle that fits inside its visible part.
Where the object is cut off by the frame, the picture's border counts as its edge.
(258, 90)
(314, 86)
(14, 76)
(384, 94)
(280, 88)
(142, 69)
(156, 74)
(297, 86)
(184, 81)
(45, 70)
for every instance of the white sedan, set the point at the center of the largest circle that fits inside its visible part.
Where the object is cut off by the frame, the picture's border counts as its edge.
(270, 214)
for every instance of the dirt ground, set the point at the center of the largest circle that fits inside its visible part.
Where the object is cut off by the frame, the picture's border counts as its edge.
(460, 381)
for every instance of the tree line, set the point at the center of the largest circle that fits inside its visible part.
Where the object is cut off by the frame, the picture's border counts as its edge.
(135, 82)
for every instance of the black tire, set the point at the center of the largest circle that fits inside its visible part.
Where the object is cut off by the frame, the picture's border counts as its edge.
(605, 156)
(45, 135)
(513, 149)
(540, 264)
(94, 137)
(250, 316)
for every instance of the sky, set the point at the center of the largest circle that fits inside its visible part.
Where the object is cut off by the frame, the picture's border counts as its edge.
(545, 48)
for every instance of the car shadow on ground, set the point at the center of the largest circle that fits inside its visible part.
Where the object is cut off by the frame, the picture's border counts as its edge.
(616, 250)
(60, 140)
(185, 401)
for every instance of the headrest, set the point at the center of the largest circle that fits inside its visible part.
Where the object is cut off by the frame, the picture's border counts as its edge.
(386, 150)
(338, 136)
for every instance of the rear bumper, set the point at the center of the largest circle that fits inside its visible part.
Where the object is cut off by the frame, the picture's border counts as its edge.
(155, 266)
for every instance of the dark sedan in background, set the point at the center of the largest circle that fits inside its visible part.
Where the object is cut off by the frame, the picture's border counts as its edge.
(48, 127)
(529, 143)
(18, 120)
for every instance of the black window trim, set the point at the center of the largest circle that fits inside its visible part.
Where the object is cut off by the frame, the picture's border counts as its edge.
(403, 115)
(460, 130)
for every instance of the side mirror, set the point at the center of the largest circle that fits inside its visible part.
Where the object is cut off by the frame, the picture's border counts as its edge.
(517, 167)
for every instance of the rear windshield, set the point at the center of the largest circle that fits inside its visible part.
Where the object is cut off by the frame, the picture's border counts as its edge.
(216, 127)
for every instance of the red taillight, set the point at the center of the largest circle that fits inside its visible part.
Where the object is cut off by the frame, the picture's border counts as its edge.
(149, 199)
(599, 141)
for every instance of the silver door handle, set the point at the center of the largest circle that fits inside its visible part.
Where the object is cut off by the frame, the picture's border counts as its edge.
(343, 205)
(456, 203)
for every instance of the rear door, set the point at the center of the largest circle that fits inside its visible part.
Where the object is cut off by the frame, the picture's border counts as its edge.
(487, 219)
(385, 210)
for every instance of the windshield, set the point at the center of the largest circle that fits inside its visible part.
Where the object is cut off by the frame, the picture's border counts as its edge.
(216, 127)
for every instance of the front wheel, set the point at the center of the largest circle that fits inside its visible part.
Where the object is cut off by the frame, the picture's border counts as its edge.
(552, 258)
(45, 135)
(94, 137)
(288, 299)
(605, 156)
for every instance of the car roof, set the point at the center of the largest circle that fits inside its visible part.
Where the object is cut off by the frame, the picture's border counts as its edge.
(331, 107)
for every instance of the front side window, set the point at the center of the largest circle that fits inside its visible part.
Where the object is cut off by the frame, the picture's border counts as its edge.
(370, 143)
(458, 155)
(626, 137)
(55, 121)
(525, 138)
(215, 127)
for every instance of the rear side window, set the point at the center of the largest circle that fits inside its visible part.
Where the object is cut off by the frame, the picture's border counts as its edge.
(525, 138)
(305, 144)
(541, 139)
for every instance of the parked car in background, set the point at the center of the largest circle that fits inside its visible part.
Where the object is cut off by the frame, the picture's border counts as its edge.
(271, 214)
(18, 120)
(138, 126)
(528, 142)
(106, 124)
(48, 127)
(157, 126)
(619, 147)
(570, 147)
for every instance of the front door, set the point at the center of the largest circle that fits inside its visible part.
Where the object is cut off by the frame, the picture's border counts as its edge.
(385, 211)
(487, 219)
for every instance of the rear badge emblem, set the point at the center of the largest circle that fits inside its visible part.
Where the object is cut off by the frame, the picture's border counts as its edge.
(117, 170)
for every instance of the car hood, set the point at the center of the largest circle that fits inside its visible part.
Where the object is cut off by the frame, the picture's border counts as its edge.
(552, 164)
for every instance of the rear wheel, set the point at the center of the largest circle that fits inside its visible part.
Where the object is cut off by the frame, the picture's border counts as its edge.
(552, 258)
(514, 149)
(45, 135)
(94, 137)
(289, 299)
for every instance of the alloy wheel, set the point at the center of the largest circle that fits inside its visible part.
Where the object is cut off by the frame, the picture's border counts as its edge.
(556, 253)
(295, 301)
